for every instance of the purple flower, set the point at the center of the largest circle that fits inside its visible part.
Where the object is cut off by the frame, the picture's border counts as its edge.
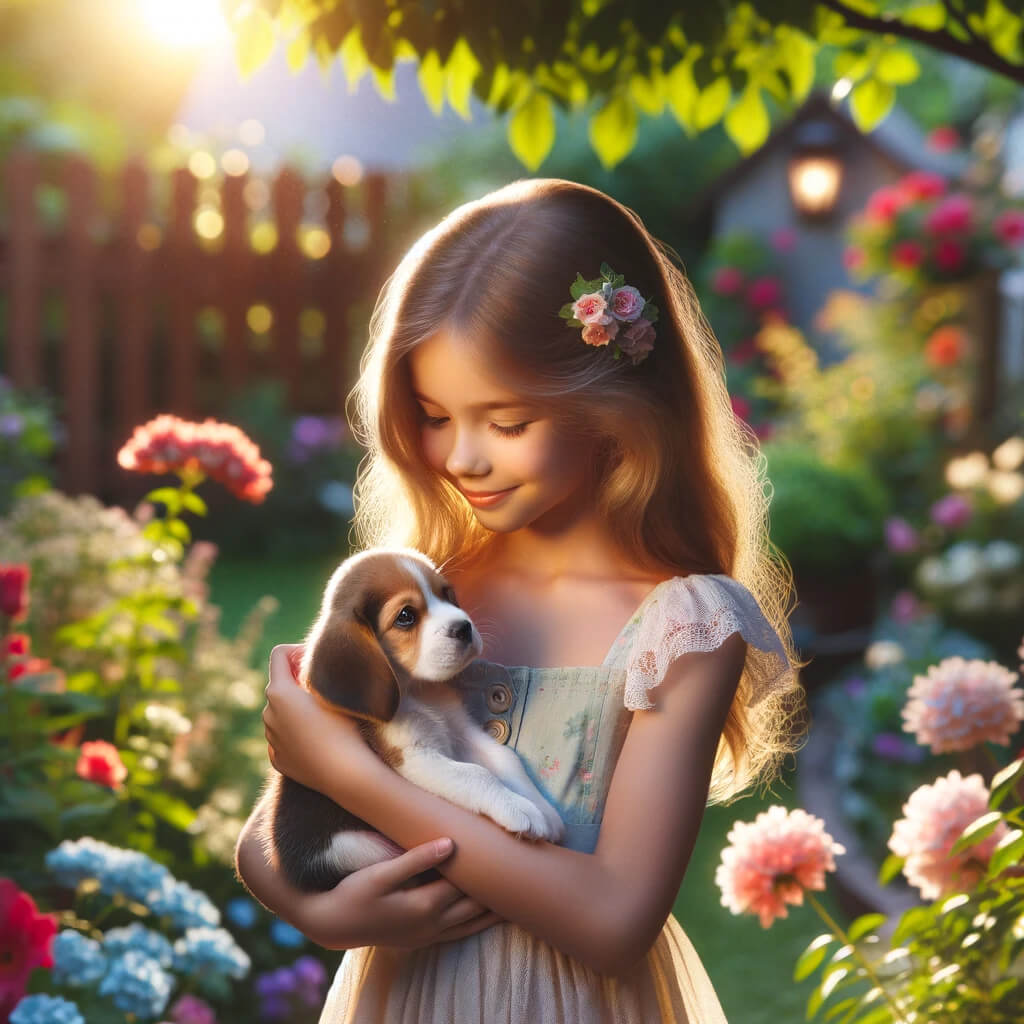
(276, 984)
(952, 511)
(11, 425)
(309, 970)
(888, 745)
(905, 607)
(854, 686)
(900, 536)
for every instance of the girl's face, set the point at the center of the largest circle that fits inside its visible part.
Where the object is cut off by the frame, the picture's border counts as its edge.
(507, 456)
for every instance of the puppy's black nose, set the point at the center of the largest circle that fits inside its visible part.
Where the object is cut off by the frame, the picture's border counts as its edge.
(461, 631)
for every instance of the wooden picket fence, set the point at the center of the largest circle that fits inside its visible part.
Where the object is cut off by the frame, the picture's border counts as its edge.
(123, 310)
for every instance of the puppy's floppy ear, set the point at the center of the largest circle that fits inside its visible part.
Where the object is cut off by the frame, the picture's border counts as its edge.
(349, 670)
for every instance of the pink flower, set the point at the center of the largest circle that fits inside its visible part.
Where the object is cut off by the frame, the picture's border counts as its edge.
(935, 816)
(772, 860)
(951, 216)
(908, 254)
(923, 185)
(727, 281)
(900, 536)
(14, 590)
(1009, 227)
(854, 257)
(16, 644)
(905, 607)
(783, 239)
(949, 255)
(959, 704)
(591, 309)
(943, 139)
(740, 406)
(884, 203)
(952, 512)
(26, 942)
(764, 292)
(100, 762)
(191, 1010)
(637, 340)
(627, 303)
(600, 334)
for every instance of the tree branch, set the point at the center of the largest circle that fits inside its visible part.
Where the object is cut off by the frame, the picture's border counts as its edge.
(941, 41)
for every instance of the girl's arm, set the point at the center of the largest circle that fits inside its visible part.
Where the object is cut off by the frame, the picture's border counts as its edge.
(606, 908)
(370, 907)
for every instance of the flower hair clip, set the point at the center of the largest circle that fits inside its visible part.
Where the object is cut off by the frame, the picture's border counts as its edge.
(612, 312)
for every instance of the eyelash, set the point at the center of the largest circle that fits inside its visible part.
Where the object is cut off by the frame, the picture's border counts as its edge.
(512, 431)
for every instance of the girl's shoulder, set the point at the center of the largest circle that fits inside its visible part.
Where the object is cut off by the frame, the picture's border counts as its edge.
(699, 612)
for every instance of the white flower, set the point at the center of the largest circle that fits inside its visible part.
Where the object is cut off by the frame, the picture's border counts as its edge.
(1002, 556)
(882, 653)
(1010, 454)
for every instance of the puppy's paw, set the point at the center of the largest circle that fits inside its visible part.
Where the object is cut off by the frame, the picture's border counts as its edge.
(556, 827)
(516, 814)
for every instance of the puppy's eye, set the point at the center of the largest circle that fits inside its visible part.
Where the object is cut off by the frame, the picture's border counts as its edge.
(449, 595)
(406, 618)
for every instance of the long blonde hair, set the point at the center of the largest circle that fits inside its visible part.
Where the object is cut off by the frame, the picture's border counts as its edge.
(681, 483)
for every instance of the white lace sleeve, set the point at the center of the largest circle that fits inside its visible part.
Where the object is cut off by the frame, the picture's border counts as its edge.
(697, 613)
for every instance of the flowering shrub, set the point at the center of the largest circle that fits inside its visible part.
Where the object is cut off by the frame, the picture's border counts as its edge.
(957, 959)
(925, 229)
(29, 438)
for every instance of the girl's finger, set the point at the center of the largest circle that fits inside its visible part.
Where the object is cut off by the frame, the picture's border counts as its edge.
(477, 924)
(462, 911)
(281, 660)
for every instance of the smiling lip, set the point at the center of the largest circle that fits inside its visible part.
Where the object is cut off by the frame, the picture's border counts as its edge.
(486, 497)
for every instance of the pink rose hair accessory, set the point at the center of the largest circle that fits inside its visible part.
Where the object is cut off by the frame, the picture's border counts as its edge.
(612, 312)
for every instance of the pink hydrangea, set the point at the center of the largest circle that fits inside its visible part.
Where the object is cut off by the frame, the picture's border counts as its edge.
(727, 280)
(958, 704)
(908, 254)
(772, 860)
(923, 184)
(952, 511)
(591, 309)
(952, 216)
(884, 203)
(191, 1010)
(900, 536)
(764, 292)
(935, 816)
(1009, 227)
(949, 255)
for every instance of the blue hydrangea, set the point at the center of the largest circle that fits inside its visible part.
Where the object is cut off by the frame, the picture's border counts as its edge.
(129, 872)
(241, 912)
(45, 1010)
(144, 940)
(210, 951)
(283, 934)
(137, 984)
(185, 906)
(77, 959)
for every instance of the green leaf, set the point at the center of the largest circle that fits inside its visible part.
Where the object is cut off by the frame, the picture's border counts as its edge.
(978, 829)
(169, 496)
(461, 70)
(191, 501)
(897, 67)
(1009, 850)
(612, 130)
(682, 93)
(384, 81)
(1004, 781)
(891, 867)
(812, 957)
(254, 39)
(927, 15)
(649, 93)
(712, 103)
(353, 58)
(747, 121)
(174, 811)
(796, 54)
(297, 54)
(912, 920)
(870, 101)
(531, 129)
(841, 1007)
(863, 925)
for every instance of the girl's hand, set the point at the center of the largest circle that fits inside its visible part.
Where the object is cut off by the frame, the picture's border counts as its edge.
(307, 742)
(372, 907)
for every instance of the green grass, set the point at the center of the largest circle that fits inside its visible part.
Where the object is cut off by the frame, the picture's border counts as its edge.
(750, 967)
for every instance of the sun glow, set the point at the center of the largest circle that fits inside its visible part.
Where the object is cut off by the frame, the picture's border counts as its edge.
(184, 24)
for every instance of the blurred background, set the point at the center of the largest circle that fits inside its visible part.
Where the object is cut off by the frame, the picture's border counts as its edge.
(200, 203)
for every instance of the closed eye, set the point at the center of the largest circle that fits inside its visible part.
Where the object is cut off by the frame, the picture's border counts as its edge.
(511, 430)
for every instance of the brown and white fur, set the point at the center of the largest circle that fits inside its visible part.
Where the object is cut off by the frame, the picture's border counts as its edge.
(389, 637)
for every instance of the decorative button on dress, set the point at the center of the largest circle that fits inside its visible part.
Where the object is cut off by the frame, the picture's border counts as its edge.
(568, 725)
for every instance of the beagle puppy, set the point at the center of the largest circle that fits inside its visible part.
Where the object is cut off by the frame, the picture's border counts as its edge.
(389, 637)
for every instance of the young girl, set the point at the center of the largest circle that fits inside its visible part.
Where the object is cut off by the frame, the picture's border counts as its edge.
(571, 461)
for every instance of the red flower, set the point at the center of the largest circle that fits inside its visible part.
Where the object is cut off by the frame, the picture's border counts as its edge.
(764, 292)
(923, 185)
(740, 406)
(727, 281)
(944, 138)
(951, 216)
(945, 346)
(16, 644)
(14, 591)
(26, 937)
(220, 450)
(949, 255)
(885, 203)
(30, 666)
(100, 762)
(1009, 227)
(907, 254)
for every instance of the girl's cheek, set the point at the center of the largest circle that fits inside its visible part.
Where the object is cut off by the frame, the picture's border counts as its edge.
(433, 447)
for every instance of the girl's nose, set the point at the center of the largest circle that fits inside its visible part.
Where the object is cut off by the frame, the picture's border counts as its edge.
(466, 458)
